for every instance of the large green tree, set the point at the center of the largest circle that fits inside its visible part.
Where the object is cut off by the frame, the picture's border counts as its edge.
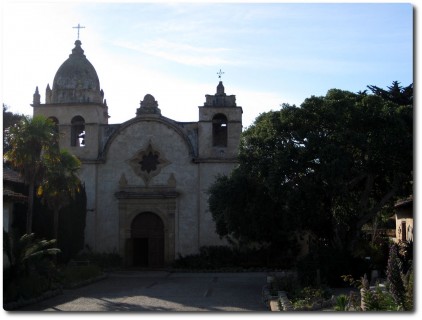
(28, 140)
(395, 93)
(328, 166)
(59, 182)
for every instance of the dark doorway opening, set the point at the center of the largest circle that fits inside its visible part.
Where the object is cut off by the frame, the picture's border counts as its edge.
(148, 240)
(140, 252)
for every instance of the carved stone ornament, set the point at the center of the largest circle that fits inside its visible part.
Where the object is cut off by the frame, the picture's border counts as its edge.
(123, 180)
(148, 163)
(148, 106)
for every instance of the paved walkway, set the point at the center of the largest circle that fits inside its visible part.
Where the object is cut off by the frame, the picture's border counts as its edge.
(163, 291)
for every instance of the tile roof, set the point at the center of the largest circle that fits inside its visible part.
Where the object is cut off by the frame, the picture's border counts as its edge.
(11, 175)
(403, 202)
(14, 196)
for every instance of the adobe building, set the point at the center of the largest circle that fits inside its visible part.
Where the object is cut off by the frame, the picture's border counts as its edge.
(147, 178)
(404, 219)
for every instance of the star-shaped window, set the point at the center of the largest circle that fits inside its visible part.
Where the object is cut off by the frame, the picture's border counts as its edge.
(148, 163)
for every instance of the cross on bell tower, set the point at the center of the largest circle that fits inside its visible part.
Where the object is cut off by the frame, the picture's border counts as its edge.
(220, 73)
(78, 27)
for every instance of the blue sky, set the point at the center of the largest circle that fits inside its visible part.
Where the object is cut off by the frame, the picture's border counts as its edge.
(270, 53)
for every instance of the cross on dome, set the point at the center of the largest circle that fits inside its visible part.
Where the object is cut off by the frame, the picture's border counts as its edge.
(78, 27)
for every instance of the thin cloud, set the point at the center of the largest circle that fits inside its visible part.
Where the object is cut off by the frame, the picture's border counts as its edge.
(179, 52)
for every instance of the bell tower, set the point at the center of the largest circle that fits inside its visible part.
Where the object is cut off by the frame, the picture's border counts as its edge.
(220, 126)
(219, 130)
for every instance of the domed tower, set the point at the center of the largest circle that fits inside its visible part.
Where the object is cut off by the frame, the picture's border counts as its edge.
(76, 103)
(76, 81)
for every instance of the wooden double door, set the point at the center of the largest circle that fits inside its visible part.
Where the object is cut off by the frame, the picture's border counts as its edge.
(147, 241)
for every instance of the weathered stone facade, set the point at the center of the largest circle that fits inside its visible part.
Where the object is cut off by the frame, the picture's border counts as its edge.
(147, 178)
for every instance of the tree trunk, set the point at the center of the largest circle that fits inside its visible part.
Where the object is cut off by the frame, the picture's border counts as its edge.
(56, 225)
(29, 213)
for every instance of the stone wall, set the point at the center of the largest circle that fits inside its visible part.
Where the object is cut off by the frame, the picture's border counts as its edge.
(172, 147)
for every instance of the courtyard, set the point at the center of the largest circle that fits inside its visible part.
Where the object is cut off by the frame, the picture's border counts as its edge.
(163, 291)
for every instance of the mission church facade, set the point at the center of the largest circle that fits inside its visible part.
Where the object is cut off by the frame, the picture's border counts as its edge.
(146, 179)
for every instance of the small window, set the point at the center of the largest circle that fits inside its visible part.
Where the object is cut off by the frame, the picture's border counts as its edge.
(78, 132)
(219, 130)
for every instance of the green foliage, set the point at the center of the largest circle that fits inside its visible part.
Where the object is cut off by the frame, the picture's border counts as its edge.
(408, 281)
(28, 254)
(208, 258)
(329, 166)
(59, 183)
(74, 275)
(26, 287)
(34, 151)
(331, 263)
(29, 140)
(308, 296)
(376, 250)
(103, 260)
(341, 303)
(405, 254)
(379, 300)
(9, 120)
(244, 213)
(395, 93)
(362, 283)
(72, 221)
(32, 269)
(289, 284)
(394, 276)
(72, 226)
(218, 257)
(396, 296)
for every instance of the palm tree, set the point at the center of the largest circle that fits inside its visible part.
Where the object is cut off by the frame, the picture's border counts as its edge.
(59, 183)
(28, 140)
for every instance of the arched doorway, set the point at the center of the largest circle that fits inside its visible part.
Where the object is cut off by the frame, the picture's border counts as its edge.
(148, 240)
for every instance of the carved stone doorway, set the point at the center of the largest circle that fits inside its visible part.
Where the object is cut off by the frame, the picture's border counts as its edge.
(147, 237)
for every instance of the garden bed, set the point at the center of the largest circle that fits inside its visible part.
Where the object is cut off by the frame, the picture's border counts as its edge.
(13, 305)
(74, 276)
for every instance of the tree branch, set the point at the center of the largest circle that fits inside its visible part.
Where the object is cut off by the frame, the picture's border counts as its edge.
(378, 207)
(368, 188)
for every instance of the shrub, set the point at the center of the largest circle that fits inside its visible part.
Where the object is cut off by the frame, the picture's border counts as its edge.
(26, 287)
(408, 281)
(308, 296)
(341, 303)
(212, 257)
(331, 263)
(105, 261)
(290, 284)
(73, 275)
(394, 276)
(32, 270)
(216, 257)
(71, 225)
(379, 300)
